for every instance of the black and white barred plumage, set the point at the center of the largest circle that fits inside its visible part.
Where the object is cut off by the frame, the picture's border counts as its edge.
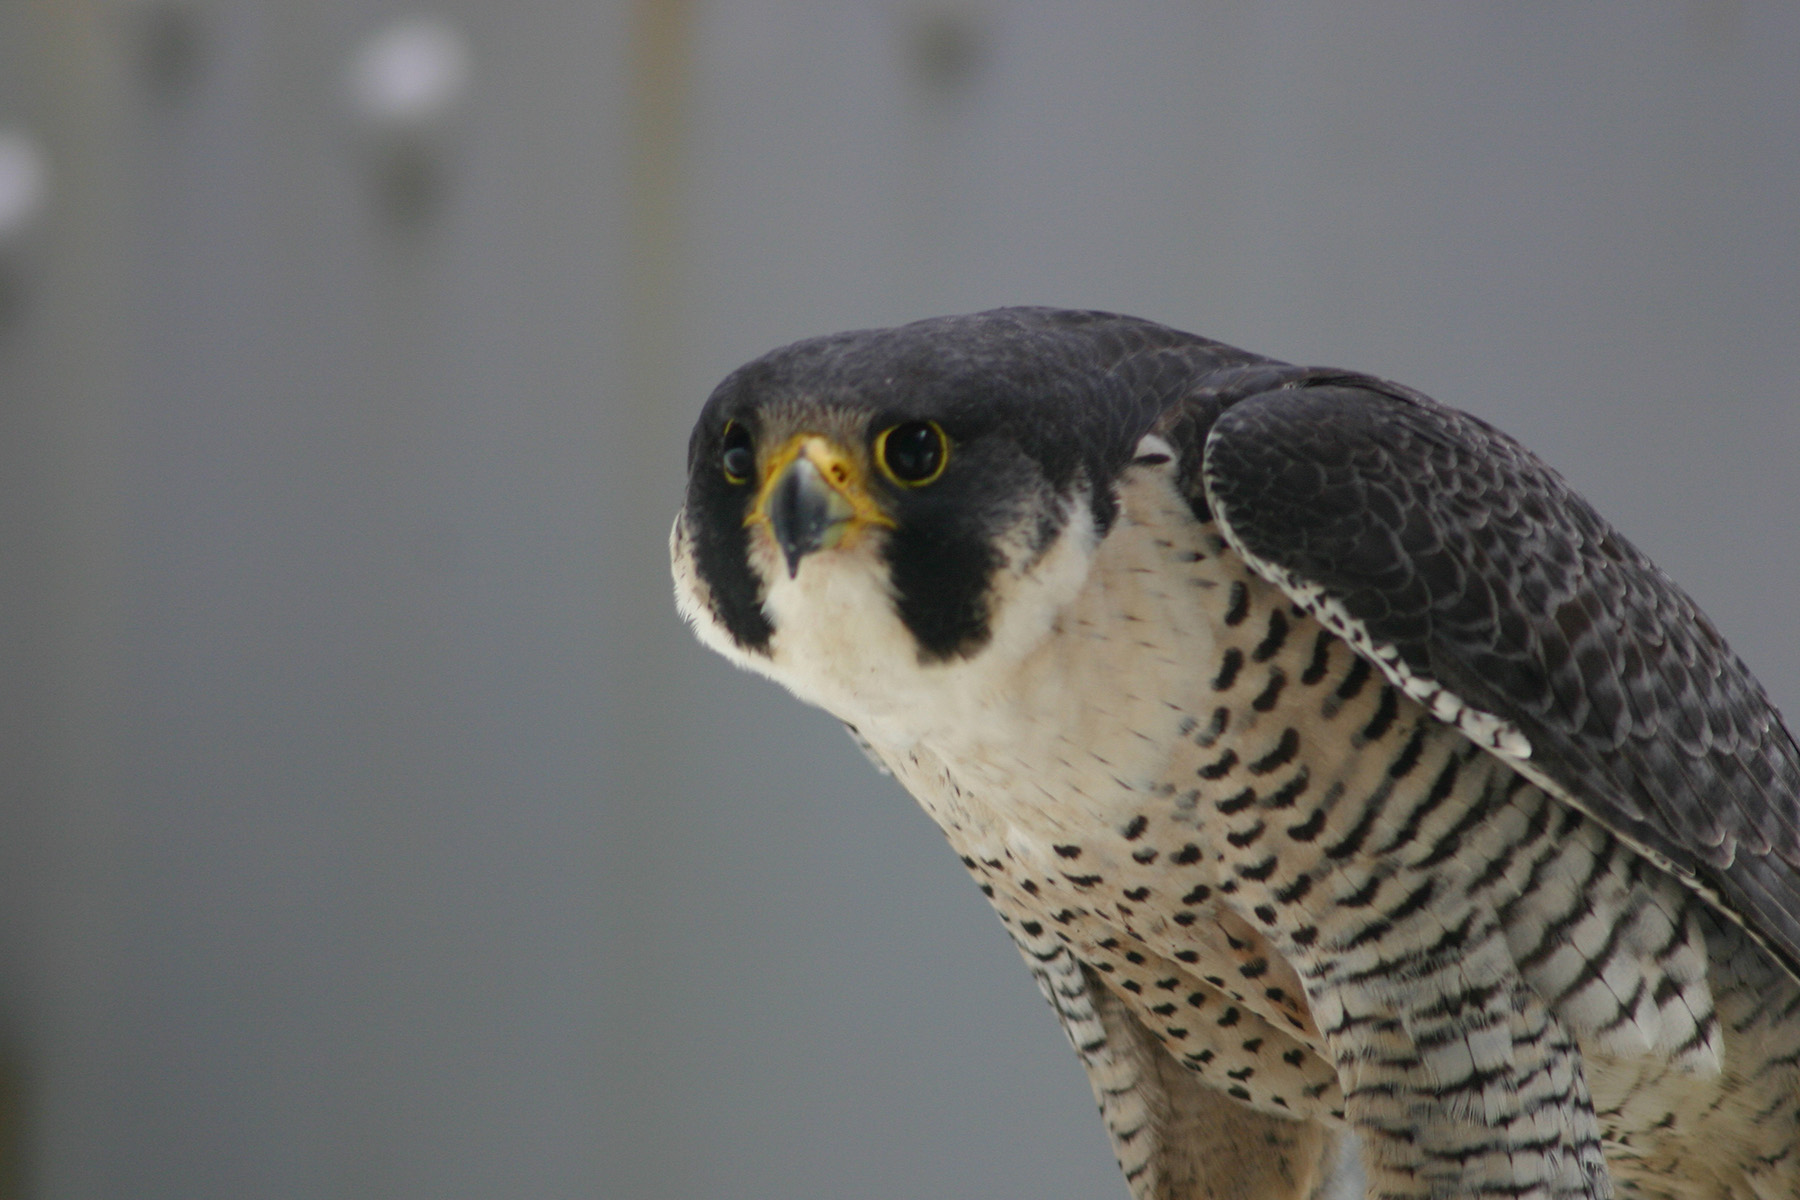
(1333, 764)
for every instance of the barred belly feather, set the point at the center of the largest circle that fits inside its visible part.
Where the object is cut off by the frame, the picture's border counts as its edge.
(1328, 903)
(1356, 794)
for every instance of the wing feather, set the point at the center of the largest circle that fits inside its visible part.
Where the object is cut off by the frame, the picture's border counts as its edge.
(1468, 564)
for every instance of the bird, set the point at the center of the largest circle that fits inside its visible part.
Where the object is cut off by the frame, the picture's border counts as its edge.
(1364, 804)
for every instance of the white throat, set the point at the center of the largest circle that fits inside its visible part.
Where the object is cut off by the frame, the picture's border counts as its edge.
(839, 642)
(1088, 618)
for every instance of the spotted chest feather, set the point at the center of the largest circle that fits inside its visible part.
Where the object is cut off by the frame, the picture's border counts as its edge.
(1332, 763)
(1263, 847)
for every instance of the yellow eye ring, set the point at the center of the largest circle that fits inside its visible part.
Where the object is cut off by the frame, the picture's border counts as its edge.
(737, 454)
(913, 453)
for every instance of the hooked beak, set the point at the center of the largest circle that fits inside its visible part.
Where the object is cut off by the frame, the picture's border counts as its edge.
(804, 512)
(813, 498)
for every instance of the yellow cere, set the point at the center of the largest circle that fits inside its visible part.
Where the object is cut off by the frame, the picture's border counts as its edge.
(841, 472)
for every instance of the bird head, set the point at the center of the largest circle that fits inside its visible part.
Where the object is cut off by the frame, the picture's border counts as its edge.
(877, 508)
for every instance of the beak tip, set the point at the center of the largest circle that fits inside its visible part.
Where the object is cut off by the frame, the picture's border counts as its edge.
(807, 511)
(800, 512)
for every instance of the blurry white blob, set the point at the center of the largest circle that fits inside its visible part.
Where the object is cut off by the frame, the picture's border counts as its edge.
(24, 185)
(406, 79)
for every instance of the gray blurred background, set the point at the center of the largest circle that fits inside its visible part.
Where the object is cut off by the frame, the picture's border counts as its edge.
(369, 825)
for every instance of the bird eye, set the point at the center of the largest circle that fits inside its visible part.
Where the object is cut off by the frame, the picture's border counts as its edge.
(737, 458)
(913, 453)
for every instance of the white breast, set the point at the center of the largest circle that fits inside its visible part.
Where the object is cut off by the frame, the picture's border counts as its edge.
(1067, 711)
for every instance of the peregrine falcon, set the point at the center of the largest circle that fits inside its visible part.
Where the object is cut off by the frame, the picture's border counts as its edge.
(1342, 776)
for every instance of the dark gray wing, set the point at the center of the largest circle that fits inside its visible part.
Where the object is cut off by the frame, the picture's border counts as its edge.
(1471, 565)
